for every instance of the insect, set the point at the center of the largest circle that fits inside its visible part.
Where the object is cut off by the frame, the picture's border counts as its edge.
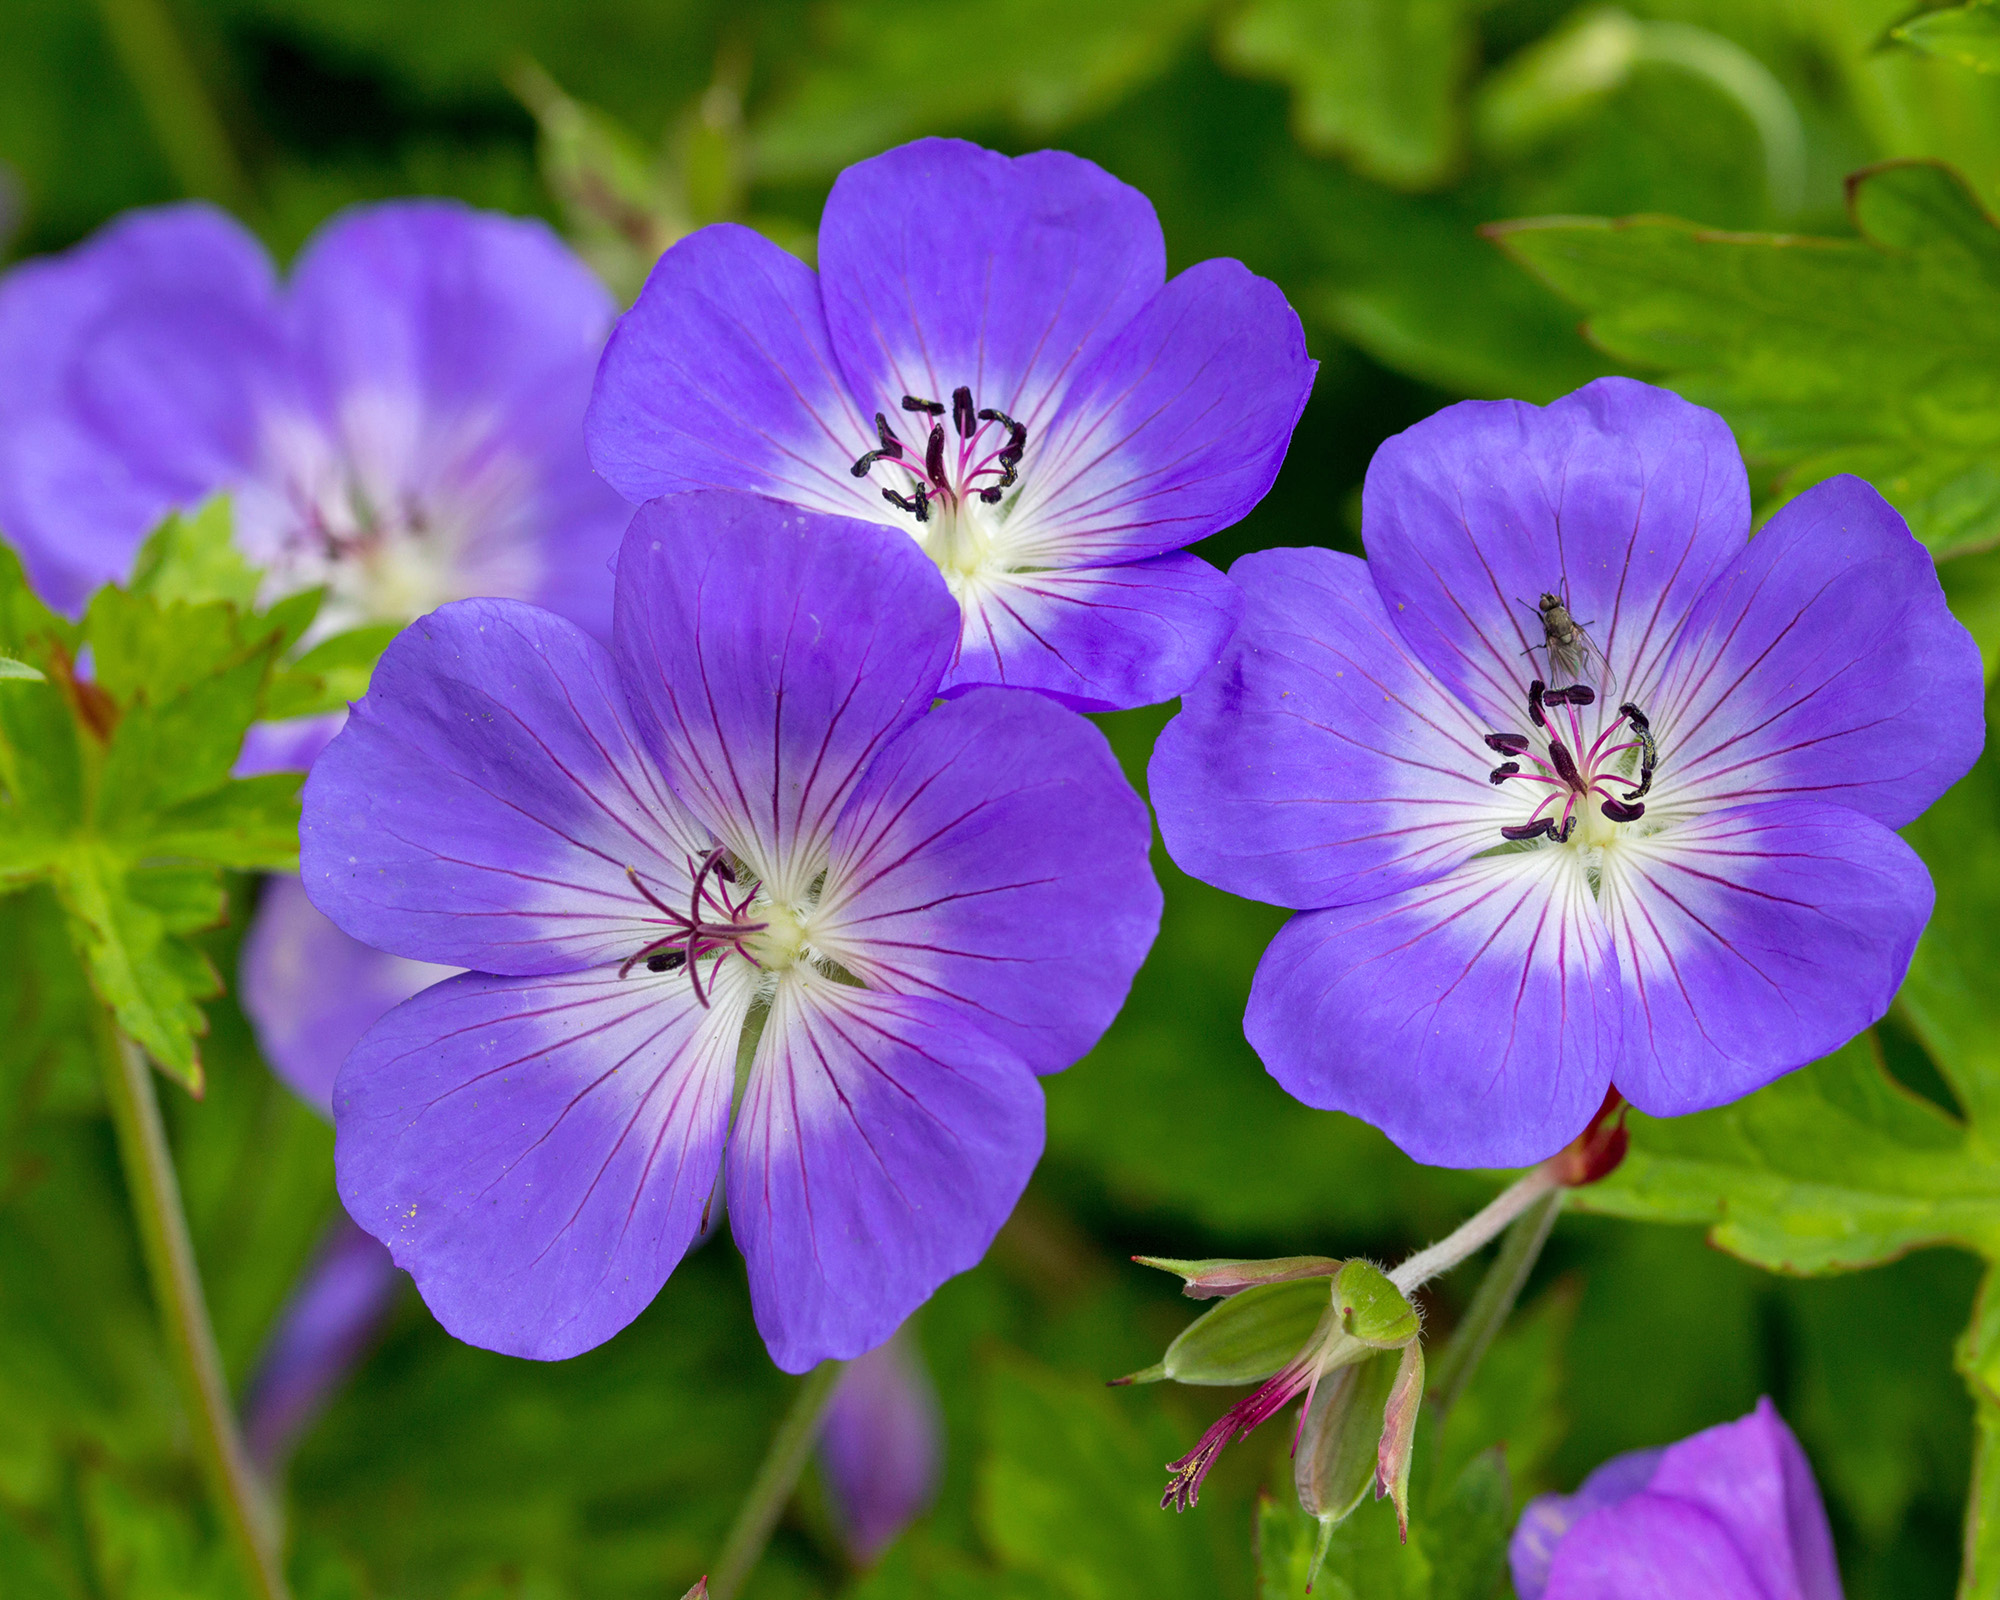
(1572, 653)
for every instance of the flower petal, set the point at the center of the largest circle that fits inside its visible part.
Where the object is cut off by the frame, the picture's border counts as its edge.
(485, 800)
(1319, 764)
(537, 1152)
(1474, 1020)
(311, 992)
(1823, 662)
(1548, 1517)
(1752, 940)
(1177, 430)
(1626, 494)
(772, 653)
(994, 855)
(721, 376)
(1752, 1477)
(131, 362)
(944, 264)
(1098, 638)
(1650, 1547)
(881, 1142)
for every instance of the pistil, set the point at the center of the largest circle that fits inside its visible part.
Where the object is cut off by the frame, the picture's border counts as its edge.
(713, 925)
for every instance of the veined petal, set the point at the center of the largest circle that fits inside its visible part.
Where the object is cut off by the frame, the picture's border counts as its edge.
(1319, 764)
(537, 1152)
(1823, 663)
(1177, 430)
(881, 1142)
(722, 376)
(1097, 638)
(995, 856)
(1624, 496)
(946, 265)
(485, 800)
(772, 654)
(311, 992)
(1752, 940)
(1474, 1020)
(1651, 1547)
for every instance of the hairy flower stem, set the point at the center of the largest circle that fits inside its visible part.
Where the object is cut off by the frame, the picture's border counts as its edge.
(772, 1488)
(1494, 1301)
(170, 1263)
(1474, 1233)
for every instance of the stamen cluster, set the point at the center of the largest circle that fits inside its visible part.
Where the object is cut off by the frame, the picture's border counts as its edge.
(956, 480)
(1572, 782)
(698, 936)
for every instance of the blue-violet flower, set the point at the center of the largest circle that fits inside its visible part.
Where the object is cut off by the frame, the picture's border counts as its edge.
(1573, 784)
(992, 362)
(881, 1446)
(1732, 1513)
(741, 835)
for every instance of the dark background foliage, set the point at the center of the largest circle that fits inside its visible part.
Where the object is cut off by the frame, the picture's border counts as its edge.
(1349, 149)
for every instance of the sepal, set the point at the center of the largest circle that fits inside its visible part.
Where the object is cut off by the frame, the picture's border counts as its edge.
(1216, 1279)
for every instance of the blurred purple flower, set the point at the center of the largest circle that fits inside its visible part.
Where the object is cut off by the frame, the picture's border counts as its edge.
(323, 1332)
(400, 423)
(1732, 1513)
(1676, 875)
(881, 1447)
(991, 361)
(747, 809)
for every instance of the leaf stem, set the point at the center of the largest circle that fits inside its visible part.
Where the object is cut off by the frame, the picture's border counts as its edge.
(771, 1489)
(170, 1263)
(1494, 1300)
(1474, 1233)
(185, 121)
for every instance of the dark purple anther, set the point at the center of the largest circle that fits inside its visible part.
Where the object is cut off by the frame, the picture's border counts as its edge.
(1635, 716)
(961, 411)
(1581, 694)
(934, 408)
(1545, 828)
(1565, 765)
(1568, 828)
(1503, 772)
(934, 456)
(1618, 811)
(1536, 690)
(918, 503)
(1508, 744)
(891, 445)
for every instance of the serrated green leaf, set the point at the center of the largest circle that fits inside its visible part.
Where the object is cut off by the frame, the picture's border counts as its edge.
(1879, 357)
(128, 926)
(250, 824)
(1833, 1167)
(1968, 35)
(24, 619)
(1376, 81)
(140, 646)
(328, 677)
(191, 557)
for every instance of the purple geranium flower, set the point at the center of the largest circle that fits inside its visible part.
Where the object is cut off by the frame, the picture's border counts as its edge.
(742, 836)
(1646, 844)
(992, 362)
(1730, 1514)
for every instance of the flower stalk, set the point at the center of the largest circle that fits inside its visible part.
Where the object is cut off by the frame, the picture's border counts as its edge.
(771, 1490)
(239, 1498)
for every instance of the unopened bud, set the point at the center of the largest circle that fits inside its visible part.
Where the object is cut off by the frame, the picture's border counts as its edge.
(1339, 1445)
(1246, 1338)
(1212, 1280)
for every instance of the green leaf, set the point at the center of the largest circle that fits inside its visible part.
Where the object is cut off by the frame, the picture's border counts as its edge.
(890, 68)
(192, 557)
(330, 676)
(1070, 1491)
(251, 825)
(126, 925)
(1879, 356)
(1467, 1534)
(1376, 81)
(10, 668)
(1968, 35)
(1246, 1338)
(27, 626)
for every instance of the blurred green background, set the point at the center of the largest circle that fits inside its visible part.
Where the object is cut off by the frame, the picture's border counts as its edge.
(1349, 149)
